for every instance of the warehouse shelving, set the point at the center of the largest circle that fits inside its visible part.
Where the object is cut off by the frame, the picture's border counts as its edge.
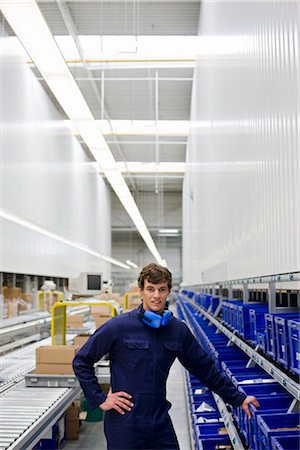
(255, 357)
(290, 385)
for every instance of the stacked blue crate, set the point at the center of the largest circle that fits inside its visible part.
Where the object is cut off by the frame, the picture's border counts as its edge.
(214, 303)
(233, 313)
(271, 342)
(244, 325)
(282, 340)
(257, 324)
(285, 443)
(261, 340)
(228, 312)
(271, 391)
(294, 343)
(211, 434)
(268, 405)
(273, 425)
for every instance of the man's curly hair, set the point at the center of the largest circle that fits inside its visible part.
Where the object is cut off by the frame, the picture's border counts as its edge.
(154, 273)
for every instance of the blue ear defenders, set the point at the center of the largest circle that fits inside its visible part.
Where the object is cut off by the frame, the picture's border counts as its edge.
(155, 320)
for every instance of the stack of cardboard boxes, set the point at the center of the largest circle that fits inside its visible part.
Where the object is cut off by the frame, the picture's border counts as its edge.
(81, 339)
(55, 359)
(15, 301)
(73, 422)
(75, 321)
(101, 314)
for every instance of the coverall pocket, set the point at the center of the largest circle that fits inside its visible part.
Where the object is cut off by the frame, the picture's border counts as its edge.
(137, 344)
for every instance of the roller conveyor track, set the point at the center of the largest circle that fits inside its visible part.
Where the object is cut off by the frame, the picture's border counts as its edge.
(28, 412)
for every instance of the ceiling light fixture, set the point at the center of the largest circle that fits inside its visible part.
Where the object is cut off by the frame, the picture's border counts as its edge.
(132, 264)
(7, 215)
(169, 231)
(25, 18)
(151, 167)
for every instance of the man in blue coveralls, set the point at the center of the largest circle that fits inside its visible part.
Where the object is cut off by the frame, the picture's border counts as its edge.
(142, 345)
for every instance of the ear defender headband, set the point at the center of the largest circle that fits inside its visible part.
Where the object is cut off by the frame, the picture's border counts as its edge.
(155, 320)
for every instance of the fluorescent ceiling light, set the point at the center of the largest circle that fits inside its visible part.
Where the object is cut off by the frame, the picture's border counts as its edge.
(183, 48)
(30, 27)
(145, 127)
(169, 231)
(141, 127)
(132, 264)
(152, 167)
(38, 229)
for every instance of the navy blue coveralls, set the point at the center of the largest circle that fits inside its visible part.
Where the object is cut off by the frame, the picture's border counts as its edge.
(140, 360)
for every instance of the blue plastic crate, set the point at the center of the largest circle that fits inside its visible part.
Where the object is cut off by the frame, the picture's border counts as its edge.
(55, 438)
(247, 371)
(282, 338)
(271, 342)
(294, 341)
(213, 443)
(259, 390)
(210, 402)
(268, 405)
(261, 340)
(214, 303)
(251, 378)
(243, 318)
(285, 442)
(208, 430)
(234, 314)
(276, 425)
(209, 416)
(227, 311)
(256, 322)
(269, 389)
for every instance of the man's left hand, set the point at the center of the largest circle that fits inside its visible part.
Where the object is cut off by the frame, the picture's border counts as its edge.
(245, 405)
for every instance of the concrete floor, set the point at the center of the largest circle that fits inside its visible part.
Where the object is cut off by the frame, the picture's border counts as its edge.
(91, 436)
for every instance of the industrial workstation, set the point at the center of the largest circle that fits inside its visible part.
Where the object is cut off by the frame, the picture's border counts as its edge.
(149, 225)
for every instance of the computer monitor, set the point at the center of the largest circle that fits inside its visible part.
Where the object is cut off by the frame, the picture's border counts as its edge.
(87, 283)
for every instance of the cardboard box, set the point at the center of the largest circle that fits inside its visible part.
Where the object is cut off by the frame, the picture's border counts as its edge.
(11, 292)
(100, 320)
(54, 369)
(11, 307)
(102, 310)
(72, 422)
(72, 412)
(26, 297)
(56, 354)
(75, 321)
(81, 339)
(72, 430)
(23, 306)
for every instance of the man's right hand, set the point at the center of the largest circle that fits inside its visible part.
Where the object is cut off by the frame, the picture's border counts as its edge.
(118, 401)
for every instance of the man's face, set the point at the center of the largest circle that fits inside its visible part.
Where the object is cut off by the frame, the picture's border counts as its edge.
(154, 296)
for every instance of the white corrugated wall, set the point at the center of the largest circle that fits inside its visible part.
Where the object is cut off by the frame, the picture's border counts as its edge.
(241, 192)
(46, 180)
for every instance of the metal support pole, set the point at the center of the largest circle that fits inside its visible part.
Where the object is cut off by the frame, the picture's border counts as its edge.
(272, 297)
(245, 293)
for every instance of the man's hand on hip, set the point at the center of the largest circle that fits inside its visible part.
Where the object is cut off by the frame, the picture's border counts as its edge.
(119, 401)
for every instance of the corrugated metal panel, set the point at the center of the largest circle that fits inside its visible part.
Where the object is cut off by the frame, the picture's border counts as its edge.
(241, 199)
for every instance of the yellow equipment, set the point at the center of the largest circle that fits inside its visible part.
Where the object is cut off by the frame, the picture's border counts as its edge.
(59, 317)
